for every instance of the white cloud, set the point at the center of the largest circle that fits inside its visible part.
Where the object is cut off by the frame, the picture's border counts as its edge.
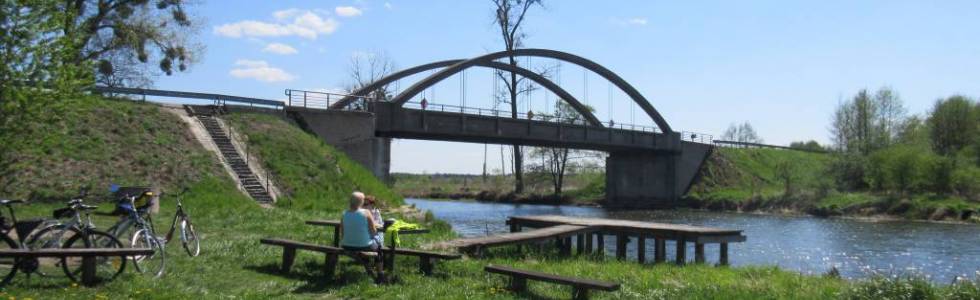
(305, 23)
(388, 6)
(347, 11)
(279, 48)
(286, 14)
(635, 21)
(259, 70)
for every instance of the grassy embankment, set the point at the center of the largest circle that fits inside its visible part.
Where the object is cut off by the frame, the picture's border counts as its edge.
(317, 180)
(580, 188)
(756, 180)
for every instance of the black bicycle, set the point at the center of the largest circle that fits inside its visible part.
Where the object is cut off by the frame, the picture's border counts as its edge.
(188, 237)
(77, 232)
(21, 229)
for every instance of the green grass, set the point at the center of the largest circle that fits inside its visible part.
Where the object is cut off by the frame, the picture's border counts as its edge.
(94, 142)
(313, 174)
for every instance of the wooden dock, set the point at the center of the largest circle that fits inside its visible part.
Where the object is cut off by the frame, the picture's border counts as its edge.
(624, 229)
(589, 237)
(476, 245)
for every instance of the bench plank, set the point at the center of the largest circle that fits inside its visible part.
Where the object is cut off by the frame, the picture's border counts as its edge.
(75, 252)
(577, 282)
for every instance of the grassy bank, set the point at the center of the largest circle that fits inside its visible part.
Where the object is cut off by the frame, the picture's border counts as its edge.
(580, 188)
(313, 174)
(795, 181)
(317, 180)
(94, 142)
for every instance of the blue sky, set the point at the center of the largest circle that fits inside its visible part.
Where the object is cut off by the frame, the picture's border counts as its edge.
(783, 66)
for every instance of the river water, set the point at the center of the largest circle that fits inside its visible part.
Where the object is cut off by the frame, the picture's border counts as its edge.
(810, 245)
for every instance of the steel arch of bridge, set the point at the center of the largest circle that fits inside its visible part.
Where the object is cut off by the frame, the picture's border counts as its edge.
(544, 82)
(452, 67)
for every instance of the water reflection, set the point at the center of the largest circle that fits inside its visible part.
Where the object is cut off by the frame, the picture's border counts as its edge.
(809, 245)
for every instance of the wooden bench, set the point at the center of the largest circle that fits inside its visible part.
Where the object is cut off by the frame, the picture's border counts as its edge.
(332, 254)
(88, 256)
(426, 258)
(518, 281)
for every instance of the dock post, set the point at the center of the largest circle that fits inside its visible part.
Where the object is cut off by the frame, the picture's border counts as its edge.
(723, 254)
(514, 227)
(579, 244)
(641, 249)
(681, 251)
(698, 253)
(588, 243)
(566, 246)
(600, 244)
(659, 250)
(621, 241)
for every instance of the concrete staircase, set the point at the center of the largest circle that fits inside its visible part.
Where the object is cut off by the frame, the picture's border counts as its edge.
(249, 181)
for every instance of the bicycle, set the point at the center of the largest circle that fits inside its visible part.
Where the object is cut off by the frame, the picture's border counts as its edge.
(188, 237)
(78, 232)
(22, 229)
(145, 235)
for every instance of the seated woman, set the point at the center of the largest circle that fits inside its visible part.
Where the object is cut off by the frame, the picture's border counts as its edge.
(358, 230)
(371, 205)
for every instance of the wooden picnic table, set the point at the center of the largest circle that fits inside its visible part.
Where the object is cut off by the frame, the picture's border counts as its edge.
(336, 229)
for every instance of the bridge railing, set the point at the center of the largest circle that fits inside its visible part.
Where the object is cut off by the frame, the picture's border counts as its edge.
(737, 144)
(216, 99)
(322, 100)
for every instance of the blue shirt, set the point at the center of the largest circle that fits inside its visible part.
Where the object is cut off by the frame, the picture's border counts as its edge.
(356, 233)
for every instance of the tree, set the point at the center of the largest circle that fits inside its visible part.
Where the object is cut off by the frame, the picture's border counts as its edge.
(810, 145)
(743, 133)
(786, 171)
(953, 125)
(35, 76)
(509, 16)
(115, 34)
(868, 122)
(365, 68)
(555, 161)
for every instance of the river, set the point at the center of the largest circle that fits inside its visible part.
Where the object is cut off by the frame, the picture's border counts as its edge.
(857, 248)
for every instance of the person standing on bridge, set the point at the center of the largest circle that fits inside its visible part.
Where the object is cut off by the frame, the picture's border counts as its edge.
(424, 103)
(530, 115)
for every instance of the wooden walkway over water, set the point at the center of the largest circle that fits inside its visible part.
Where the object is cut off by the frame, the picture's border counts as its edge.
(589, 237)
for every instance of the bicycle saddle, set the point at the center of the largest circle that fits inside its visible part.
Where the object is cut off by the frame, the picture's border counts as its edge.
(88, 207)
(8, 202)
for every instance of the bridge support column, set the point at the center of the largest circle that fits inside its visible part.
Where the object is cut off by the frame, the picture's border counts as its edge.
(351, 132)
(641, 180)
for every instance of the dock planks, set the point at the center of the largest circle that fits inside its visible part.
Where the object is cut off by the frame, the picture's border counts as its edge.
(524, 237)
(650, 229)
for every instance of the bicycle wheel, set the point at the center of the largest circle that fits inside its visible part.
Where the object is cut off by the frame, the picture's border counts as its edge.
(51, 237)
(152, 264)
(188, 237)
(8, 265)
(107, 267)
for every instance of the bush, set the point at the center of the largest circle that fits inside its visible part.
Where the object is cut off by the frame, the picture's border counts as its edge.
(896, 168)
(966, 181)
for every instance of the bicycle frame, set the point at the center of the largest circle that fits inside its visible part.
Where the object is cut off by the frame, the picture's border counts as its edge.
(173, 224)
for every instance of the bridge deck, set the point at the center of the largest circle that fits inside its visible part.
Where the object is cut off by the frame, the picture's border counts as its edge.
(524, 237)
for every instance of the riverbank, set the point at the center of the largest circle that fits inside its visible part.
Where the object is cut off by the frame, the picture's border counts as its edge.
(316, 179)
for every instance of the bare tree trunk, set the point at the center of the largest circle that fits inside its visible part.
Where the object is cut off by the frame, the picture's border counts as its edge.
(518, 157)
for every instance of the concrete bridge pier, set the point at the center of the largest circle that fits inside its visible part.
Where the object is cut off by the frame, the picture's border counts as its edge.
(653, 179)
(352, 132)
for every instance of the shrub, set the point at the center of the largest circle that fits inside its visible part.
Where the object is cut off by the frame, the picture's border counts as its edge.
(966, 181)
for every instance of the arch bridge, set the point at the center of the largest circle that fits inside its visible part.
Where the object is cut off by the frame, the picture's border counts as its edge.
(646, 167)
